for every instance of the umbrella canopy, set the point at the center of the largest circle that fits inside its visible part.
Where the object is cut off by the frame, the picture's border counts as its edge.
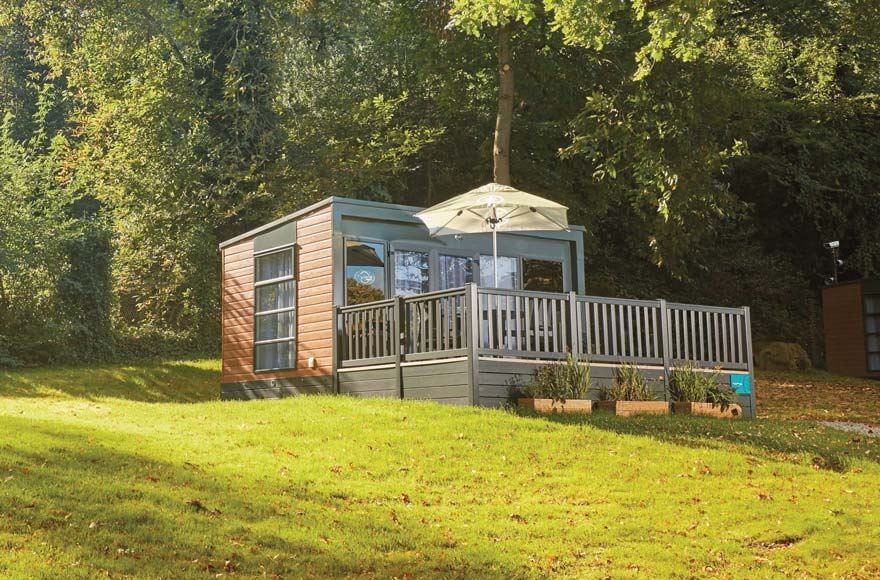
(494, 207)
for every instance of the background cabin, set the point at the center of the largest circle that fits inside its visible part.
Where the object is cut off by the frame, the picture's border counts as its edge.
(354, 297)
(851, 318)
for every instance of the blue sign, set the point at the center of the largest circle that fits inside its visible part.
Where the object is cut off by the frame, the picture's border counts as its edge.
(742, 384)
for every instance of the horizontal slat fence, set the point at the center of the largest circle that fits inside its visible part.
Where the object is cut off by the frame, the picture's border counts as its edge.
(542, 325)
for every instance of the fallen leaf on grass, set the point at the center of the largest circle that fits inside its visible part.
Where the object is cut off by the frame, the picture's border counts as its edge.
(200, 507)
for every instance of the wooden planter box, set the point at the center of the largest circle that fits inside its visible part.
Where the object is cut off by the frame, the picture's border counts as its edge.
(707, 409)
(555, 406)
(629, 408)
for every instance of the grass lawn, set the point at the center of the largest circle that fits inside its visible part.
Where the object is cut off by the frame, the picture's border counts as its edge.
(818, 395)
(110, 471)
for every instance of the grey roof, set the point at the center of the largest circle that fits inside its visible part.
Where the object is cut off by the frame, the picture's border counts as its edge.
(325, 202)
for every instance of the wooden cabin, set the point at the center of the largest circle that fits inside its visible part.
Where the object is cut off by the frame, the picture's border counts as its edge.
(851, 318)
(354, 297)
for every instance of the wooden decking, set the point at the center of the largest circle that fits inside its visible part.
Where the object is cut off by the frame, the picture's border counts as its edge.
(491, 340)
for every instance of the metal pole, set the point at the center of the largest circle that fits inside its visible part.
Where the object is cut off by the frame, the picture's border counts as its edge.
(493, 221)
(495, 255)
(666, 341)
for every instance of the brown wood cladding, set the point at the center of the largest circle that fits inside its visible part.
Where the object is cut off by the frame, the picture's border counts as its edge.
(314, 303)
(842, 313)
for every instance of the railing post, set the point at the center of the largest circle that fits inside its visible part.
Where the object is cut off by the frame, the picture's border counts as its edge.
(472, 339)
(747, 321)
(398, 341)
(666, 338)
(337, 349)
(574, 325)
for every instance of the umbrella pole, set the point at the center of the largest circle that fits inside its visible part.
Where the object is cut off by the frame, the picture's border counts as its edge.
(495, 255)
(494, 222)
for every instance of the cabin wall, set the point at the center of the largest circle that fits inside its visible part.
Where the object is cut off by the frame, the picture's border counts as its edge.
(314, 316)
(446, 381)
(843, 319)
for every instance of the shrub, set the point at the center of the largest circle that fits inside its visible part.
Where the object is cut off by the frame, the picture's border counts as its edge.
(630, 385)
(560, 381)
(782, 356)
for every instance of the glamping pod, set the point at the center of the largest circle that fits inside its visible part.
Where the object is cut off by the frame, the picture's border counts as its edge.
(356, 297)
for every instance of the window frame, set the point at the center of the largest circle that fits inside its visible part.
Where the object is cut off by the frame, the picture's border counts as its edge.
(396, 249)
(474, 257)
(522, 272)
(387, 286)
(292, 277)
(873, 316)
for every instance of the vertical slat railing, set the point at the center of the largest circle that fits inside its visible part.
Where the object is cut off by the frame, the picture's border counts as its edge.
(435, 325)
(615, 330)
(367, 333)
(528, 324)
(709, 336)
(541, 325)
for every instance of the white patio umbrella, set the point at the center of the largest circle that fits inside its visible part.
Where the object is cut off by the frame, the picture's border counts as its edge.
(494, 207)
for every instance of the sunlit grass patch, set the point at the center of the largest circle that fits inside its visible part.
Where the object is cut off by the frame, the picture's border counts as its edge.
(334, 486)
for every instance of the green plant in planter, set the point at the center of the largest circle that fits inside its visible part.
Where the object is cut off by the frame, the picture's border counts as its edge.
(560, 381)
(629, 385)
(688, 385)
(721, 394)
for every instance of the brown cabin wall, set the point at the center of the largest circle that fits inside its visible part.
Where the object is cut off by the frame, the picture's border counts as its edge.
(314, 305)
(843, 319)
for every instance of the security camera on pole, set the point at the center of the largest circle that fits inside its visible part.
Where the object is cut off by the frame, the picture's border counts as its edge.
(836, 262)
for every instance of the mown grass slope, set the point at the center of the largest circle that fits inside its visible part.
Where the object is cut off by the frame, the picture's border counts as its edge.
(332, 486)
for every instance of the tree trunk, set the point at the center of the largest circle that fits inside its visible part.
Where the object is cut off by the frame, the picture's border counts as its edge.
(501, 149)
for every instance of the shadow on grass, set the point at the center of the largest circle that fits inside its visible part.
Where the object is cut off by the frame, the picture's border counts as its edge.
(159, 382)
(824, 447)
(75, 499)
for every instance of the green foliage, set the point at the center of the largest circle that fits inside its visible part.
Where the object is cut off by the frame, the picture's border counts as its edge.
(630, 384)
(721, 393)
(688, 385)
(561, 381)
(708, 147)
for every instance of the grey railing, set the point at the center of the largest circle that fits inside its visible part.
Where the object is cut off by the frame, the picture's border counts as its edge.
(612, 329)
(493, 322)
(368, 333)
(434, 324)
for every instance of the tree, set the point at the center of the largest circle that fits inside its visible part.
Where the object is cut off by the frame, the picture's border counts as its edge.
(587, 23)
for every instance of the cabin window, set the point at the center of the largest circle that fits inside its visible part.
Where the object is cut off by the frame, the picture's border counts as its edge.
(508, 272)
(455, 271)
(364, 271)
(275, 312)
(872, 331)
(411, 272)
(542, 275)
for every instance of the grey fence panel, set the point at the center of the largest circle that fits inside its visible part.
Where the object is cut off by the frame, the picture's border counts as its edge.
(620, 330)
(530, 324)
(434, 325)
(709, 336)
(368, 333)
(542, 325)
